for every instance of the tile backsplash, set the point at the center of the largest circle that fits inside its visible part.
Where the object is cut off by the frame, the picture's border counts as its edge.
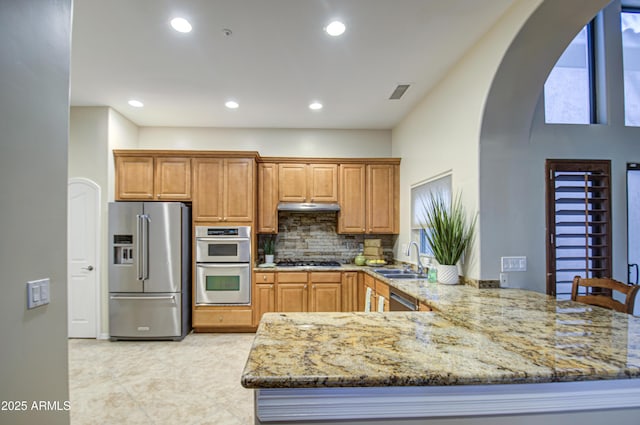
(312, 236)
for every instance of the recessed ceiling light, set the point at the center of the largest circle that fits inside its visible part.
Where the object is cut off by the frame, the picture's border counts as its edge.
(231, 104)
(335, 28)
(315, 106)
(136, 103)
(181, 25)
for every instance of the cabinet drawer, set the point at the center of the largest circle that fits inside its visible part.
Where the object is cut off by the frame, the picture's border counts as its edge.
(292, 277)
(222, 318)
(326, 277)
(382, 289)
(265, 277)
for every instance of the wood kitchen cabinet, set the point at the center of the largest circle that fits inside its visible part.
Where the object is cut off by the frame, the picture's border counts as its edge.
(134, 177)
(292, 292)
(382, 198)
(369, 198)
(313, 291)
(172, 181)
(378, 289)
(350, 291)
(264, 295)
(308, 182)
(326, 291)
(267, 198)
(223, 189)
(352, 216)
(145, 177)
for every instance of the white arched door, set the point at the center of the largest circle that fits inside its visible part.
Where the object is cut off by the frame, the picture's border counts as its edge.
(83, 252)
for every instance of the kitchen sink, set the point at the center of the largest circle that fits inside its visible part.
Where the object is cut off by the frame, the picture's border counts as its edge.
(405, 276)
(386, 272)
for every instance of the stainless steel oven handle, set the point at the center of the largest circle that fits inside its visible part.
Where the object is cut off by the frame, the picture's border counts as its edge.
(214, 239)
(159, 297)
(223, 265)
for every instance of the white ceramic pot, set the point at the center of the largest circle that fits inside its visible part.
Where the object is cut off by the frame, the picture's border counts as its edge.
(268, 258)
(448, 275)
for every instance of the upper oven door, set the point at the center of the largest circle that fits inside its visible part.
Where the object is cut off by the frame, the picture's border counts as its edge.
(227, 250)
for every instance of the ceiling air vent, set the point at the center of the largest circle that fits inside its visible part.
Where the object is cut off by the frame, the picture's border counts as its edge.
(399, 91)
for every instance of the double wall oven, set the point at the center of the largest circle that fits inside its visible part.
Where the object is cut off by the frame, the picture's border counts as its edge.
(223, 265)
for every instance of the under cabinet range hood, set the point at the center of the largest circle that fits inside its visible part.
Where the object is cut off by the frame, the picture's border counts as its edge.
(308, 207)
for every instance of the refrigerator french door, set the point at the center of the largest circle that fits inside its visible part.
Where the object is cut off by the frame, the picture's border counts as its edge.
(149, 270)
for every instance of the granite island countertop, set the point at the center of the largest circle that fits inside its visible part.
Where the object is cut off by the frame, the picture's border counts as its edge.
(476, 336)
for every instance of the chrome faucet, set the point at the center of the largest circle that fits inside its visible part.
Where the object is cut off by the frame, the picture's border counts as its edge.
(420, 267)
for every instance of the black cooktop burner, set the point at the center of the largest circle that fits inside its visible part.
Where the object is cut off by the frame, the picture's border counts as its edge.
(303, 263)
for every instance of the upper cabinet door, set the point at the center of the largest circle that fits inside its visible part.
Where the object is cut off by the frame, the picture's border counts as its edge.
(134, 177)
(173, 178)
(382, 198)
(292, 182)
(322, 184)
(208, 180)
(239, 192)
(223, 189)
(352, 216)
(267, 198)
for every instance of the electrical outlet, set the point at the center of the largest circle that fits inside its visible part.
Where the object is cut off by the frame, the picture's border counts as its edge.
(504, 280)
(513, 264)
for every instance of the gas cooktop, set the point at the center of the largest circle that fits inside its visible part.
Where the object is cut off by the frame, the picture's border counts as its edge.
(303, 263)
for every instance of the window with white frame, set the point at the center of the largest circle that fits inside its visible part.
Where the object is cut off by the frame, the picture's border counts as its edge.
(630, 28)
(569, 89)
(420, 195)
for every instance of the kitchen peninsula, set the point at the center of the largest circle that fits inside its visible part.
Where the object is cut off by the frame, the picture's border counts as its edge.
(480, 355)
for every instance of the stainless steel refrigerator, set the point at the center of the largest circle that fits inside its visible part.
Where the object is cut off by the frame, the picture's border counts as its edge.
(149, 270)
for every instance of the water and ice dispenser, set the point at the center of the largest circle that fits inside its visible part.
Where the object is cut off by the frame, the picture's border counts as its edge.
(123, 249)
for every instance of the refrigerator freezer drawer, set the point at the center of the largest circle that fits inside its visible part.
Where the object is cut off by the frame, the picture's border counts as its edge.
(145, 316)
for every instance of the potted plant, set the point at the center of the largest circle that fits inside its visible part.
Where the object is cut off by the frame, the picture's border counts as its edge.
(448, 234)
(268, 247)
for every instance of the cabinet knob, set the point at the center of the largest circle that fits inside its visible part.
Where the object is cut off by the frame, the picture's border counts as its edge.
(264, 277)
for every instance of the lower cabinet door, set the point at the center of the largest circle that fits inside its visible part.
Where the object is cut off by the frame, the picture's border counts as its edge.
(133, 316)
(326, 297)
(292, 297)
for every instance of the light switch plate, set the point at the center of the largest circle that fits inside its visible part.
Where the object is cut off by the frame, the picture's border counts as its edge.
(37, 293)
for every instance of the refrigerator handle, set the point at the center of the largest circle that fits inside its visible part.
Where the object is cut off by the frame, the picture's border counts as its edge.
(139, 253)
(145, 246)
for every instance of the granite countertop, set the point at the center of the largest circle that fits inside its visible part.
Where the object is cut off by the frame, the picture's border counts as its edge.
(476, 336)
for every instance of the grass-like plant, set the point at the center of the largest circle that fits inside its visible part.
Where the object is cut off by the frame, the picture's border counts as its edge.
(269, 245)
(446, 228)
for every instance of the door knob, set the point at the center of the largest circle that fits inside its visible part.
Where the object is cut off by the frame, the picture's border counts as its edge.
(88, 268)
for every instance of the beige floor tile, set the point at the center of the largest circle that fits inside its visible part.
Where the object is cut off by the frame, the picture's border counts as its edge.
(192, 382)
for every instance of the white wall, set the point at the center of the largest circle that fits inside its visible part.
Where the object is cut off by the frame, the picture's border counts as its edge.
(94, 132)
(34, 117)
(271, 142)
(442, 132)
(513, 150)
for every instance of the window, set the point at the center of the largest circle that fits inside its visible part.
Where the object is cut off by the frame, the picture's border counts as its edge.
(578, 222)
(568, 91)
(419, 196)
(630, 27)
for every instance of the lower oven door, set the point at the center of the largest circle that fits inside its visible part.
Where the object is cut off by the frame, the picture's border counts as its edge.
(223, 283)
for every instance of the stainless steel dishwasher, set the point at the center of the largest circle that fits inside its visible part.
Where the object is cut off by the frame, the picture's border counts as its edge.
(399, 301)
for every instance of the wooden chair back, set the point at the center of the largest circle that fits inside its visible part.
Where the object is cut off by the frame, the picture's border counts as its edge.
(603, 295)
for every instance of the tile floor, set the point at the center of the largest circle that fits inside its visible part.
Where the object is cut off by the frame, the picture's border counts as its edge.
(192, 382)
